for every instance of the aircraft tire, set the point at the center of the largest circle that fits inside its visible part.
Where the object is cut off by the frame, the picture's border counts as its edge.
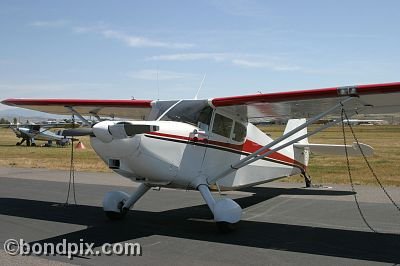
(225, 227)
(18, 144)
(115, 216)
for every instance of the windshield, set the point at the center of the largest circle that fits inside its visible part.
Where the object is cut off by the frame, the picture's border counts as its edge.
(159, 107)
(194, 112)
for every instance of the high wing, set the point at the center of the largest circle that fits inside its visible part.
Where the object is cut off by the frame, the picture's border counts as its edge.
(133, 109)
(368, 99)
(311, 104)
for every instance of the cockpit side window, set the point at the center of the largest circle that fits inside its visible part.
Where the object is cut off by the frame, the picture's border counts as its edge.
(222, 125)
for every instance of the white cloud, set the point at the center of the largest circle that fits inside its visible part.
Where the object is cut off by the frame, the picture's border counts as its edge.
(36, 90)
(265, 64)
(49, 23)
(153, 74)
(191, 57)
(247, 63)
(242, 60)
(132, 40)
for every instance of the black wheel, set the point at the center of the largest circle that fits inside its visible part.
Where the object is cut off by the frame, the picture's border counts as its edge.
(18, 144)
(114, 216)
(225, 227)
(28, 143)
(33, 144)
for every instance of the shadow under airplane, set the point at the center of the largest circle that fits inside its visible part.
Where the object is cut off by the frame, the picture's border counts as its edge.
(191, 223)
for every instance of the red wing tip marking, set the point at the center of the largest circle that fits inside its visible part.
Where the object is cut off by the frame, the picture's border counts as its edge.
(78, 102)
(307, 94)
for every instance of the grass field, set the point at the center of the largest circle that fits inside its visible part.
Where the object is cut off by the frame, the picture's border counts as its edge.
(323, 169)
(47, 157)
(333, 169)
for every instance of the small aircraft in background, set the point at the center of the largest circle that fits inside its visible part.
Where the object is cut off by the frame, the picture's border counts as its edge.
(356, 122)
(198, 144)
(365, 121)
(30, 132)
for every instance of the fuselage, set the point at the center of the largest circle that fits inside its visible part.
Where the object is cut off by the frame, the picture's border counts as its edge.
(191, 145)
(41, 134)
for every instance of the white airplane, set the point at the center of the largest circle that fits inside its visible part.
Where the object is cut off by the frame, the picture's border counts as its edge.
(32, 132)
(364, 121)
(197, 144)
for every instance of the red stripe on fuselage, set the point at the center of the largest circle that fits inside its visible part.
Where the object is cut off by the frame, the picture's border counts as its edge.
(247, 147)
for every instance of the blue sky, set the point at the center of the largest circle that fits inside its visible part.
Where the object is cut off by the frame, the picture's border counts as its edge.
(116, 49)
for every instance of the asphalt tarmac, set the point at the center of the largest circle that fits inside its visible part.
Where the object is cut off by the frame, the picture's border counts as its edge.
(282, 224)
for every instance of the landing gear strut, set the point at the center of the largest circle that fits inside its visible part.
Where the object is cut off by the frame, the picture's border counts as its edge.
(307, 179)
(19, 143)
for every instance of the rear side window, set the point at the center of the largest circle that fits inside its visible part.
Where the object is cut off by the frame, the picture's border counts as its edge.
(239, 132)
(222, 125)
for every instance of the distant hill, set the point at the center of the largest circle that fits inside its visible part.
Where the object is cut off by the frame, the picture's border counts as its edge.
(23, 114)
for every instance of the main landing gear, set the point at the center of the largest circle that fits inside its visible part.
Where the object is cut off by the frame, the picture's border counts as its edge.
(226, 212)
(29, 142)
(20, 142)
(116, 204)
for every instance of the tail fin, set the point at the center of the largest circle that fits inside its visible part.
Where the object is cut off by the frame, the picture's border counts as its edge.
(292, 124)
(301, 155)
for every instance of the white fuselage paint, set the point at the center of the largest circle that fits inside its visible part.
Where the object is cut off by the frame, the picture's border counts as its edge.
(171, 158)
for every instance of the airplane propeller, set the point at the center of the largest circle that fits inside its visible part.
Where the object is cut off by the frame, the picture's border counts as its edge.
(77, 132)
(108, 130)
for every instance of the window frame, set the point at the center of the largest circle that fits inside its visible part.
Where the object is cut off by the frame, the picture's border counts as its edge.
(233, 131)
(234, 121)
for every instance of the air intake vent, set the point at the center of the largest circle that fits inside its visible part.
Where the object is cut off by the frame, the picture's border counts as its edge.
(113, 163)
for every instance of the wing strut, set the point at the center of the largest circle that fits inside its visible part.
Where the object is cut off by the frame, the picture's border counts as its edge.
(84, 120)
(266, 150)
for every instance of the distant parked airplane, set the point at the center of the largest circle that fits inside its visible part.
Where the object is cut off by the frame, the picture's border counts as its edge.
(31, 132)
(364, 121)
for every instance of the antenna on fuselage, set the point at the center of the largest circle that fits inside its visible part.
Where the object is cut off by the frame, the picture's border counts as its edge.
(201, 85)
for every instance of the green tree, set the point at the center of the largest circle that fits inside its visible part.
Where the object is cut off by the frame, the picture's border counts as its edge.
(4, 121)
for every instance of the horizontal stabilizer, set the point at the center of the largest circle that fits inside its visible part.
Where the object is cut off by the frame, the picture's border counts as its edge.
(331, 149)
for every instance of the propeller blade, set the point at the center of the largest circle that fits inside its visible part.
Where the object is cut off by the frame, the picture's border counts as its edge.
(77, 132)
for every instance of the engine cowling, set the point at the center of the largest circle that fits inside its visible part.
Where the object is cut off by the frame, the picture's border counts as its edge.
(106, 131)
(100, 130)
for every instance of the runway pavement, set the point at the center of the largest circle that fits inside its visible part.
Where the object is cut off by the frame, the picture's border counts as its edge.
(283, 223)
